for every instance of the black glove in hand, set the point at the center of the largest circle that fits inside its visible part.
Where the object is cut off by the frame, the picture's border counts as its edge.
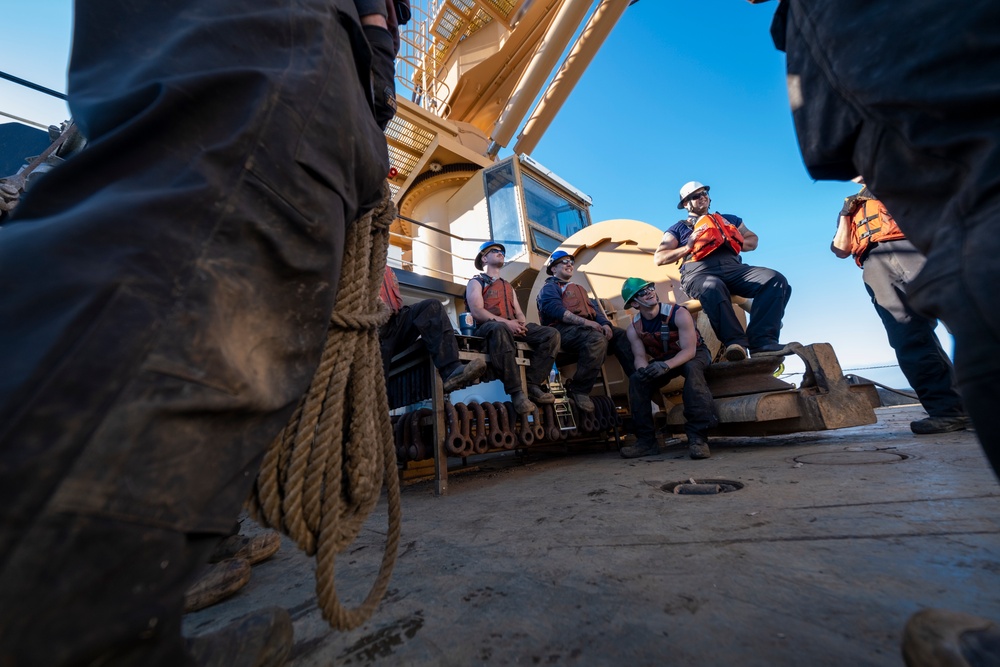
(653, 371)
(850, 204)
(383, 73)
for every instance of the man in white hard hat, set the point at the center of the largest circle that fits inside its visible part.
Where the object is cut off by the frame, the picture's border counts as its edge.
(709, 245)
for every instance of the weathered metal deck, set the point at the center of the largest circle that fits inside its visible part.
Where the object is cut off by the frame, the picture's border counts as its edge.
(835, 539)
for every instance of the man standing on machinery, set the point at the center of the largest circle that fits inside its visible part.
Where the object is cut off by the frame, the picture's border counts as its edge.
(710, 245)
(666, 344)
(583, 328)
(499, 319)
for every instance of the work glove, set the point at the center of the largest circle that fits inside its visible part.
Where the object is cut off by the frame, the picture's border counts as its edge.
(850, 205)
(383, 73)
(653, 371)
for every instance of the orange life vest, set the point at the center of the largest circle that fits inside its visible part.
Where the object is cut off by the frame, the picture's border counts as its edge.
(656, 349)
(711, 232)
(498, 297)
(576, 301)
(390, 291)
(871, 224)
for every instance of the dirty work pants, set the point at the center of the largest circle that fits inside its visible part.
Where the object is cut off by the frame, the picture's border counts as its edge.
(888, 270)
(164, 298)
(699, 410)
(500, 345)
(428, 320)
(716, 278)
(589, 345)
(914, 113)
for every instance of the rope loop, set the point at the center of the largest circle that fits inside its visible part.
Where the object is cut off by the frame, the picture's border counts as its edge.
(323, 474)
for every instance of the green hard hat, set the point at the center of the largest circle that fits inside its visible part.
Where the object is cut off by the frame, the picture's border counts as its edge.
(631, 287)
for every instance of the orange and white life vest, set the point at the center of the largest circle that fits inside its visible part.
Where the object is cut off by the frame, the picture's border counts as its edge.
(871, 223)
(390, 291)
(712, 231)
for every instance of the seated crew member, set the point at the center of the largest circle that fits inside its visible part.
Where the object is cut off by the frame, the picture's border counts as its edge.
(583, 328)
(710, 245)
(428, 320)
(658, 361)
(499, 320)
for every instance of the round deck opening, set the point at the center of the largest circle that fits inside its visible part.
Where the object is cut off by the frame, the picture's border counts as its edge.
(849, 458)
(702, 487)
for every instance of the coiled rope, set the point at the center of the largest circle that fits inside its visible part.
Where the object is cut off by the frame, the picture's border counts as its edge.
(323, 474)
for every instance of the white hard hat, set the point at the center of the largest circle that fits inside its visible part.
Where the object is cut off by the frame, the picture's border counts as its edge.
(690, 188)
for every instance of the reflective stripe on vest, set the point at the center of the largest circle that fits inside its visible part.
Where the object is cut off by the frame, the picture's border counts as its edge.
(390, 291)
(871, 224)
(710, 233)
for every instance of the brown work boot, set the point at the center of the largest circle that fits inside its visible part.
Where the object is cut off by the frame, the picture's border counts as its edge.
(218, 582)
(261, 639)
(465, 375)
(735, 352)
(942, 638)
(255, 549)
(582, 401)
(539, 395)
(698, 447)
(521, 403)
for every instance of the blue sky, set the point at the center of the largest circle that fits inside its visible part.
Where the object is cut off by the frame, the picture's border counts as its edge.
(681, 91)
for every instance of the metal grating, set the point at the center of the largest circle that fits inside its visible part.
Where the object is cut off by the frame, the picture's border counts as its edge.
(403, 161)
(408, 135)
(426, 43)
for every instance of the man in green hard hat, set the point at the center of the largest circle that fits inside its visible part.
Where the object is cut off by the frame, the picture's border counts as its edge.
(666, 344)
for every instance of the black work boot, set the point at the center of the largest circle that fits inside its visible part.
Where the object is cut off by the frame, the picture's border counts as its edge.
(648, 448)
(582, 401)
(698, 447)
(260, 639)
(932, 425)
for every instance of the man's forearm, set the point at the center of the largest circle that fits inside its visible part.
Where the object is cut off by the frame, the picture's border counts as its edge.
(569, 317)
(670, 256)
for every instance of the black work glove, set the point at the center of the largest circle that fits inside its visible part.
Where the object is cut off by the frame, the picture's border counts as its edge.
(383, 73)
(653, 371)
(850, 205)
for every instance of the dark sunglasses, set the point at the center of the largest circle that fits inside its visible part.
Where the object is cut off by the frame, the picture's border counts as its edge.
(646, 291)
(698, 196)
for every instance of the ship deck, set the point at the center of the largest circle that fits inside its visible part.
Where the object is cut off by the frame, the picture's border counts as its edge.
(582, 559)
